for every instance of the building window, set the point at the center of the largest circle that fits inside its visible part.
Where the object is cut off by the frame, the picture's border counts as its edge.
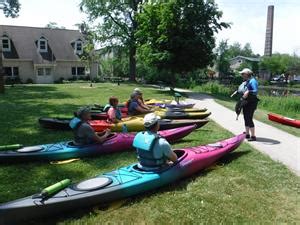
(44, 71)
(78, 47)
(42, 45)
(47, 71)
(11, 71)
(6, 44)
(78, 71)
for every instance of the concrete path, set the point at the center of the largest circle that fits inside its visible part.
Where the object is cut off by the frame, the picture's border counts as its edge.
(279, 145)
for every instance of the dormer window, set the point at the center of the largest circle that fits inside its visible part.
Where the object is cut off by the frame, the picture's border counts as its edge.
(78, 47)
(42, 45)
(6, 44)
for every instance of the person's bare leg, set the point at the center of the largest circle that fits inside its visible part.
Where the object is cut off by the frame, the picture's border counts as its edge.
(252, 131)
(247, 130)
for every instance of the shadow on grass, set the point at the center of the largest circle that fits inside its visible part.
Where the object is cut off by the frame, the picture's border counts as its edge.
(176, 186)
(22, 106)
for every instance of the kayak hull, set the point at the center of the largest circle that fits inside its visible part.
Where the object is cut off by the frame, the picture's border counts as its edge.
(65, 150)
(125, 182)
(284, 120)
(98, 115)
(183, 115)
(63, 124)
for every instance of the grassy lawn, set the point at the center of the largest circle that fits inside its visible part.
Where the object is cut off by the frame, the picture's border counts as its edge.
(287, 106)
(244, 187)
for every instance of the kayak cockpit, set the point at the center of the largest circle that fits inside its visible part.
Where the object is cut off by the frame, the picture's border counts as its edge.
(181, 154)
(92, 184)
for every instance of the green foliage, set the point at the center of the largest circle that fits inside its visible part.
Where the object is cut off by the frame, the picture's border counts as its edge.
(281, 63)
(244, 187)
(54, 25)
(117, 24)
(226, 52)
(11, 8)
(178, 35)
(287, 106)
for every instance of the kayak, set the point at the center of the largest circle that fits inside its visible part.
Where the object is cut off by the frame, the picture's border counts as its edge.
(117, 142)
(156, 101)
(284, 120)
(134, 124)
(63, 123)
(103, 115)
(121, 183)
(183, 115)
(180, 105)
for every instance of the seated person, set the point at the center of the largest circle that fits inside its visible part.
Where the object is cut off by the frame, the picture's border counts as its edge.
(140, 99)
(134, 107)
(114, 114)
(154, 152)
(83, 132)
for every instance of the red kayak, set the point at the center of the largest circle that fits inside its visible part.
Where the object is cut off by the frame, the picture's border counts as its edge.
(284, 120)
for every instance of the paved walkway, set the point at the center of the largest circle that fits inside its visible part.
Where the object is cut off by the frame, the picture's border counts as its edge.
(279, 145)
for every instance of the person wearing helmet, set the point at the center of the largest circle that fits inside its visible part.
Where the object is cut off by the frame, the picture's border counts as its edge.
(249, 96)
(141, 102)
(153, 151)
(84, 134)
(134, 108)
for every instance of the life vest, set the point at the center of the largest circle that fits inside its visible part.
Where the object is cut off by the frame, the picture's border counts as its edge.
(75, 124)
(144, 142)
(118, 114)
(243, 87)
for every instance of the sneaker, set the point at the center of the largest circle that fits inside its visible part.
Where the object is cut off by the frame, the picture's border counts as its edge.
(252, 138)
(247, 136)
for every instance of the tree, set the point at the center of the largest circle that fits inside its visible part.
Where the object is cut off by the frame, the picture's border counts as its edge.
(178, 35)
(226, 52)
(89, 55)
(117, 24)
(54, 25)
(10, 9)
(223, 65)
(281, 64)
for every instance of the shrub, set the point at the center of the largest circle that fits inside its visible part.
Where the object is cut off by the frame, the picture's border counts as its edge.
(29, 81)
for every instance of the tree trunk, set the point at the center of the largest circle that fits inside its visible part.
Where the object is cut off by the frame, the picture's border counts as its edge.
(2, 89)
(132, 63)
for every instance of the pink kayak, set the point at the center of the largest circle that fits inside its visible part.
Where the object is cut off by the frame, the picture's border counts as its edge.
(121, 183)
(117, 142)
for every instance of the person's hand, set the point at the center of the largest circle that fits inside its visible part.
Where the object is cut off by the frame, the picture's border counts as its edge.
(107, 132)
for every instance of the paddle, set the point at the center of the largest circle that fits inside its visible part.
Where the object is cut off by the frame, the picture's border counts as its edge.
(10, 147)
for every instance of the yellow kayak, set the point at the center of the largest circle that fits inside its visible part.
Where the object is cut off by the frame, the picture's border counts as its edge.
(182, 115)
(157, 108)
(156, 101)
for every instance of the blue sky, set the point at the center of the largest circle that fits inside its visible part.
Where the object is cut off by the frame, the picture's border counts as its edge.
(248, 18)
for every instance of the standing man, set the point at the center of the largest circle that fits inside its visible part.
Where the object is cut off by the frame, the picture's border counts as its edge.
(251, 100)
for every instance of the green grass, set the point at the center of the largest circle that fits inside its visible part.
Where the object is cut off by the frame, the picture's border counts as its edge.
(286, 106)
(243, 187)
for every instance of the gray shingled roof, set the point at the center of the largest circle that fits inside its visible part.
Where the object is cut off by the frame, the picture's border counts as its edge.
(59, 41)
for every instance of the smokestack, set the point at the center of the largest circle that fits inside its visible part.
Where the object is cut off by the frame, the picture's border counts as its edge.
(269, 31)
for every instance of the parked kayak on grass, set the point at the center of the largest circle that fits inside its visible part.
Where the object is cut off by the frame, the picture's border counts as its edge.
(157, 101)
(103, 115)
(134, 124)
(117, 142)
(100, 125)
(120, 183)
(284, 120)
(183, 115)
